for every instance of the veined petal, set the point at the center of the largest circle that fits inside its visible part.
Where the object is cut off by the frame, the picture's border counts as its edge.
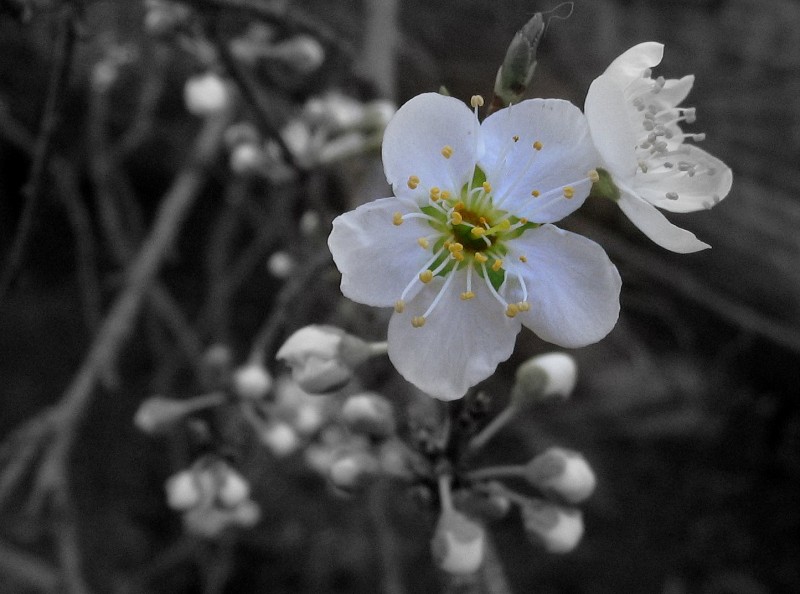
(416, 137)
(655, 225)
(515, 168)
(710, 183)
(377, 258)
(573, 288)
(611, 128)
(633, 62)
(460, 344)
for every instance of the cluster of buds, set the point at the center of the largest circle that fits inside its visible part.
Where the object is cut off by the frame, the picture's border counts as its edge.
(300, 54)
(334, 127)
(212, 496)
(251, 155)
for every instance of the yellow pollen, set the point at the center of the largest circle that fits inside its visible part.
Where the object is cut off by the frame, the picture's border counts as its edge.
(447, 151)
(418, 321)
(457, 218)
(481, 257)
(569, 191)
(516, 137)
(399, 306)
(523, 306)
(498, 264)
(594, 176)
(467, 295)
(425, 276)
(476, 101)
(445, 195)
(413, 182)
(535, 193)
(512, 310)
(397, 218)
(523, 259)
(423, 243)
(477, 232)
(435, 193)
(455, 247)
(538, 145)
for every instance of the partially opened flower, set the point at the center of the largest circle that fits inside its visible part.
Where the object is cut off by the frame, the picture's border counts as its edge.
(635, 123)
(465, 252)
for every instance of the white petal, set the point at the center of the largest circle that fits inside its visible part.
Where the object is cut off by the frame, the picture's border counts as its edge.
(700, 191)
(377, 259)
(415, 137)
(632, 64)
(460, 344)
(655, 225)
(675, 90)
(573, 288)
(515, 168)
(612, 131)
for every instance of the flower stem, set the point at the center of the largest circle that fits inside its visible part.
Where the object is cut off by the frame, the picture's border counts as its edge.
(445, 493)
(378, 348)
(493, 472)
(500, 421)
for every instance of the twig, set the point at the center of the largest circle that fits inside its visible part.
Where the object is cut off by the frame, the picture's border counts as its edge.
(492, 574)
(26, 569)
(392, 582)
(33, 188)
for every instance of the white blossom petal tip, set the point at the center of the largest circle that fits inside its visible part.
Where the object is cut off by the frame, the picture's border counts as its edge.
(461, 252)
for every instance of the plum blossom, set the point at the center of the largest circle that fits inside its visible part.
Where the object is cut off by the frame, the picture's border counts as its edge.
(635, 123)
(465, 251)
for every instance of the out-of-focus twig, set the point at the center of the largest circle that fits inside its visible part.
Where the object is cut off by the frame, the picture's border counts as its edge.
(26, 569)
(33, 188)
(380, 45)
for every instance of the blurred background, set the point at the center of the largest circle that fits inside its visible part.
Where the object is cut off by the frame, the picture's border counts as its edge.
(688, 411)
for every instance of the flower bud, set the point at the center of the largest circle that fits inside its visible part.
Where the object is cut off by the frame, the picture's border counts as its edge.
(183, 491)
(371, 414)
(558, 529)
(246, 158)
(353, 471)
(252, 382)
(206, 94)
(322, 357)
(302, 53)
(296, 135)
(378, 113)
(233, 489)
(562, 473)
(458, 543)
(280, 438)
(280, 264)
(246, 514)
(545, 377)
(159, 414)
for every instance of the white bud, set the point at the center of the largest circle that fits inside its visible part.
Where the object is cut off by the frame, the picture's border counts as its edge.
(353, 471)
(458, 543)
(562, 473)
(280, 265)
(558, 529)
(246, 514)
(182, 490)
(369, 413)
(206, 94)
(296, 136)
(246, 158)
(280, 438)
(309, 222)
(545, 377)
(233, 488)
(159, 414)
(378, 113)
(252, 382)
(303, 53)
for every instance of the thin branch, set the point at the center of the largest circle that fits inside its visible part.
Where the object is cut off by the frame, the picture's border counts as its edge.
(26, 569)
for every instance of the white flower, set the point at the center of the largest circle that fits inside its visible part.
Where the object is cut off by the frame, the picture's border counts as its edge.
(635, 125)
(465, 251)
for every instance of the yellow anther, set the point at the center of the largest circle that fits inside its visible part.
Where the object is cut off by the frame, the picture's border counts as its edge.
(456, 218)
(459, 206)
(498, 264)
(455, 247)
(425, 276)
(481, 257)
(523, 221)
(569, 191)
(516, 137)
(476, 101)
(594, 177)
(413, 182)
(457, 256)
(399, 306)
(512, 310)
(477, 232)
(535, 193)
(523, 306)
(467, 295)
(397, 218)
(487, 187)
(446, 245)
(523, 259)
(538, 145)
(423, 243)
(447, 151)
(445, 195)
(482, 220)
(435, 193)
(418, 321)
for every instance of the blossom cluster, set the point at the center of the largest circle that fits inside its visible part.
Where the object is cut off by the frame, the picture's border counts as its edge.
(466, 251)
